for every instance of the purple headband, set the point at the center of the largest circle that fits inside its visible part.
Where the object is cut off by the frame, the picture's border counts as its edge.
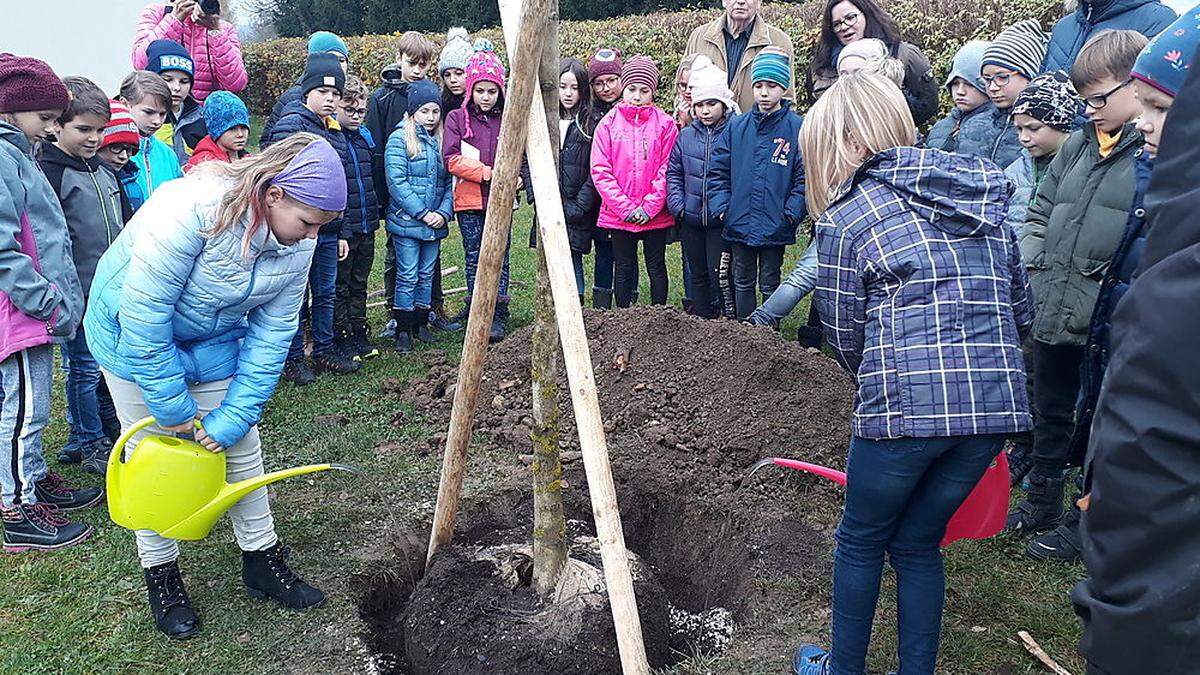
(315, 177)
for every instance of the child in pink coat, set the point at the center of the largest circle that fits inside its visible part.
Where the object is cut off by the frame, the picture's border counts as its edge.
(212, 42)
(629, 168)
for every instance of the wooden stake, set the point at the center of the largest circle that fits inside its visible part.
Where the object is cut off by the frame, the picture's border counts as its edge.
(1040, 654)
(498, 222)
(552, 236)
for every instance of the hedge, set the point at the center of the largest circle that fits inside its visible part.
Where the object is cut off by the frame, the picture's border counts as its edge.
(939, 27)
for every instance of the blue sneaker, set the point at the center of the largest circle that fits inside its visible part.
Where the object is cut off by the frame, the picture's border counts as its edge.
(810, 660)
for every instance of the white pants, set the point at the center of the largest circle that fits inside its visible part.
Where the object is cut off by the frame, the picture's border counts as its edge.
(253, 525)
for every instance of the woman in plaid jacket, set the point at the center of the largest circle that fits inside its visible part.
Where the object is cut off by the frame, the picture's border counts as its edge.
(924, 300)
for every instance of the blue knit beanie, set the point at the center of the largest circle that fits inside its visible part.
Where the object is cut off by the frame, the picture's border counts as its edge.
(772, 65)
(324, 41)
(164, 55)
(1165, 62)
(223, 111)
(422, 92)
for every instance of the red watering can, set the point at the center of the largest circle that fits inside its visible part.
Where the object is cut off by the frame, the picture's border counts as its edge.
(982, 515)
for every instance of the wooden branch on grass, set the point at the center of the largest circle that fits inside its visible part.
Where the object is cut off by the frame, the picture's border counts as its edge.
(1040, 654)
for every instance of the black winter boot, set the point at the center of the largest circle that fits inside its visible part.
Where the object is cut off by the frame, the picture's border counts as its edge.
(266, 575)
(335, 361)
(441, 322)
(169, 602)
(362, 343)
(602, 298)
(40, 527)
(55, 491)
(299, 372)
(1064, 544)
(403, 335)
(1042, 508)
(499, 323)
(420, 326)
(1020, 459)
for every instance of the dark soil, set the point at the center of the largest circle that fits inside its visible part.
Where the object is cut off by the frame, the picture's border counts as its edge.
(689, 405)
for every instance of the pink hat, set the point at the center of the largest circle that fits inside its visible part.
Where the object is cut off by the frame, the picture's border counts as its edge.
(484, 66)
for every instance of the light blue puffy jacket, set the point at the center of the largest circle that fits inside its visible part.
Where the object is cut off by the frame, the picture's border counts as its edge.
(171, 307)
(416, 185)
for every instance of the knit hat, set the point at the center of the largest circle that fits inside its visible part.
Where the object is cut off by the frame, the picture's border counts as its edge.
(484, 66)
(1052, 100)
(1164, 63)
(1020, 47)
(420, 93)
(967, 65)
(772, 65)
(27, 84)
(867, 49)
(457, 51)
(709, 83)
(223, 111)
(640, 70)
(120, 127)
(324, 41)
(164, 55)
(605, 61)
(322, 70)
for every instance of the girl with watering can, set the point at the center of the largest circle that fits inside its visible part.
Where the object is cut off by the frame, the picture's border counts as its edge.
(192, 312)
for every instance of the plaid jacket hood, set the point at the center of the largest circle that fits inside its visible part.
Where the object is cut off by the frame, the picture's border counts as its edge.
(924, 297)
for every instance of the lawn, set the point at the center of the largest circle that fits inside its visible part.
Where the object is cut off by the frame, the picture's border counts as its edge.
(84, 609)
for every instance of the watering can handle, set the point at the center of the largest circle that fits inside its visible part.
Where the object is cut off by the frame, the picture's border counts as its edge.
(118, 454)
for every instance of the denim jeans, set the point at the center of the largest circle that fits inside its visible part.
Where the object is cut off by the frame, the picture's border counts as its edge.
(753, 264)
(602, 272)
(25, 381)
(470, 224)
(322, 285)
(90, 411)
(415, 262)
(899, 496)
(799, 283)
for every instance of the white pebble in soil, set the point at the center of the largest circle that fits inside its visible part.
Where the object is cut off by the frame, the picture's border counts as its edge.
(707, 633)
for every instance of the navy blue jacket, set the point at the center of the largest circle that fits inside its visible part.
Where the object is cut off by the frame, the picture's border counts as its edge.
(1148, 17)
(756, 179)
(687, 174)
(362, 206)
(1116, 281)
(297, 118)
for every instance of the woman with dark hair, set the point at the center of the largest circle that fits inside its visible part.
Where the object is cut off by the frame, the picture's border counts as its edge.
(847, 21)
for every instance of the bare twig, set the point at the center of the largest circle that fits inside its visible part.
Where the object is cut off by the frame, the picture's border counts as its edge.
(1040, 654)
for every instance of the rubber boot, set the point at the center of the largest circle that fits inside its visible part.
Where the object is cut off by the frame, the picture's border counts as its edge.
(419, 328)
(403, 318)
(1042, 509)
(267, 575)
(602, 298)
(169, 602)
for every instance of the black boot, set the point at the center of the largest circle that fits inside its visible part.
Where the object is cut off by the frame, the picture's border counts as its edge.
(499, 322)
(55, 491)
(420, 326)
(602, 298)
(299, 372)
(95, 456)
(362, 342)
(1042, 508)
(403, 336)
(441, 322)
(40, 527)
(1020, 459)
(266, 575)
(169, 602)
(1064, 544)
(335, 361)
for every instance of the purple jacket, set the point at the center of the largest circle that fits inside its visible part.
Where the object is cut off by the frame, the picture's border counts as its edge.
(474, 175)
(924, 297)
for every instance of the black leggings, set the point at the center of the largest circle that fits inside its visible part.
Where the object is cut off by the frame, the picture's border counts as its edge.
(703, 248)
(654, 247)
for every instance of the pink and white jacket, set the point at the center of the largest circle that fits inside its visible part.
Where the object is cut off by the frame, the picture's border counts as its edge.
(630, 150)
(217, 53)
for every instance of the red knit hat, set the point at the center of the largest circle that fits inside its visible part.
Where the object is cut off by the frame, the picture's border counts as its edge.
(121, 127)
(27, 84)
(606, 61)
(640, 70)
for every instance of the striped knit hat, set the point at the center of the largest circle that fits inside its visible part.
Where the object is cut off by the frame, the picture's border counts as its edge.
(640, 70)
(772, 65)
(1020, 47)
(120, 127)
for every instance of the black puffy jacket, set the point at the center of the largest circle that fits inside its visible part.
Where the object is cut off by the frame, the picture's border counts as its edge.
(296, 119)
(581, 203)
(362, 205)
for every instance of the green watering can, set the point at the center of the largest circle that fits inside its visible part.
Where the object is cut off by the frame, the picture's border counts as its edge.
(176, 487)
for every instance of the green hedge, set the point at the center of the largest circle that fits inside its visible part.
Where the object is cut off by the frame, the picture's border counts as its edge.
(939, 27)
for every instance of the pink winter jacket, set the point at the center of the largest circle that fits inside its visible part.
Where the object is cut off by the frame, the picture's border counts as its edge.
(216, 53)
(629, 166)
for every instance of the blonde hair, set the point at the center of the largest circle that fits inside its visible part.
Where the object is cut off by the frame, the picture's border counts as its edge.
(861, 112)
(411, 142)
(892, 69)
(251, 176)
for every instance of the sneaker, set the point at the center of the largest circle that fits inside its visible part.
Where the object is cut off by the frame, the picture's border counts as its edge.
(810, 660)
(298, 372)
(55, 491)
(40, 527)
(389, 330)
(335, 361)
(440, 322)
(169, 602)
(1063, 544)
(95, 457)
(70, 454)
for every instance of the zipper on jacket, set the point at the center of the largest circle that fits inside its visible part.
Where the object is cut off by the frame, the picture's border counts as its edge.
(362, 194)
(704, 191)
(103, 206)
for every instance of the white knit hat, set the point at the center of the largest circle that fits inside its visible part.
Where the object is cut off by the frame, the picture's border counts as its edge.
(457, 52)
(708, 82)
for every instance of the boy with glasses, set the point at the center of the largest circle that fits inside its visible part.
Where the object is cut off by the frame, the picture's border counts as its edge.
(1009, 63)
(119, 145)
(1071, 233)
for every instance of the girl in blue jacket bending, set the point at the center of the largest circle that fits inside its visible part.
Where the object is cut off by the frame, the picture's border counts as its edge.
(419, 210)
(191, 314)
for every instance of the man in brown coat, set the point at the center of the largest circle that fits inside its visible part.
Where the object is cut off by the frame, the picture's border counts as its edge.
(733, 39)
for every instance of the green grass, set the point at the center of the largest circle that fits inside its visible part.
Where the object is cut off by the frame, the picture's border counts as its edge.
(84, 609)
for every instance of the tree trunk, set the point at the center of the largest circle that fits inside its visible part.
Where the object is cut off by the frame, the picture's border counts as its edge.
(549, 521)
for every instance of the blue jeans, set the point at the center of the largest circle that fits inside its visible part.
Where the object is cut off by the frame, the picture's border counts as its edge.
(470, 223)
(25, 380)
(322, 285)
(415, 260)
(899, 496)
(602, 273)
(799, 283)
(90, 410)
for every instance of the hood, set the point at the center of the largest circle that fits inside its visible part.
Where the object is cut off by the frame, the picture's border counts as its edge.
(53, 155)
(14, 136)
(393, 76)
(959, 195)
(966, 65)
(637, 114)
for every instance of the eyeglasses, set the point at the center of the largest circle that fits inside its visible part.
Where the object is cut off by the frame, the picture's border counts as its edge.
(607, 81)
(1100, 100)
(354, 112)
(999, 79)
(847, 21)
(120, 149)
